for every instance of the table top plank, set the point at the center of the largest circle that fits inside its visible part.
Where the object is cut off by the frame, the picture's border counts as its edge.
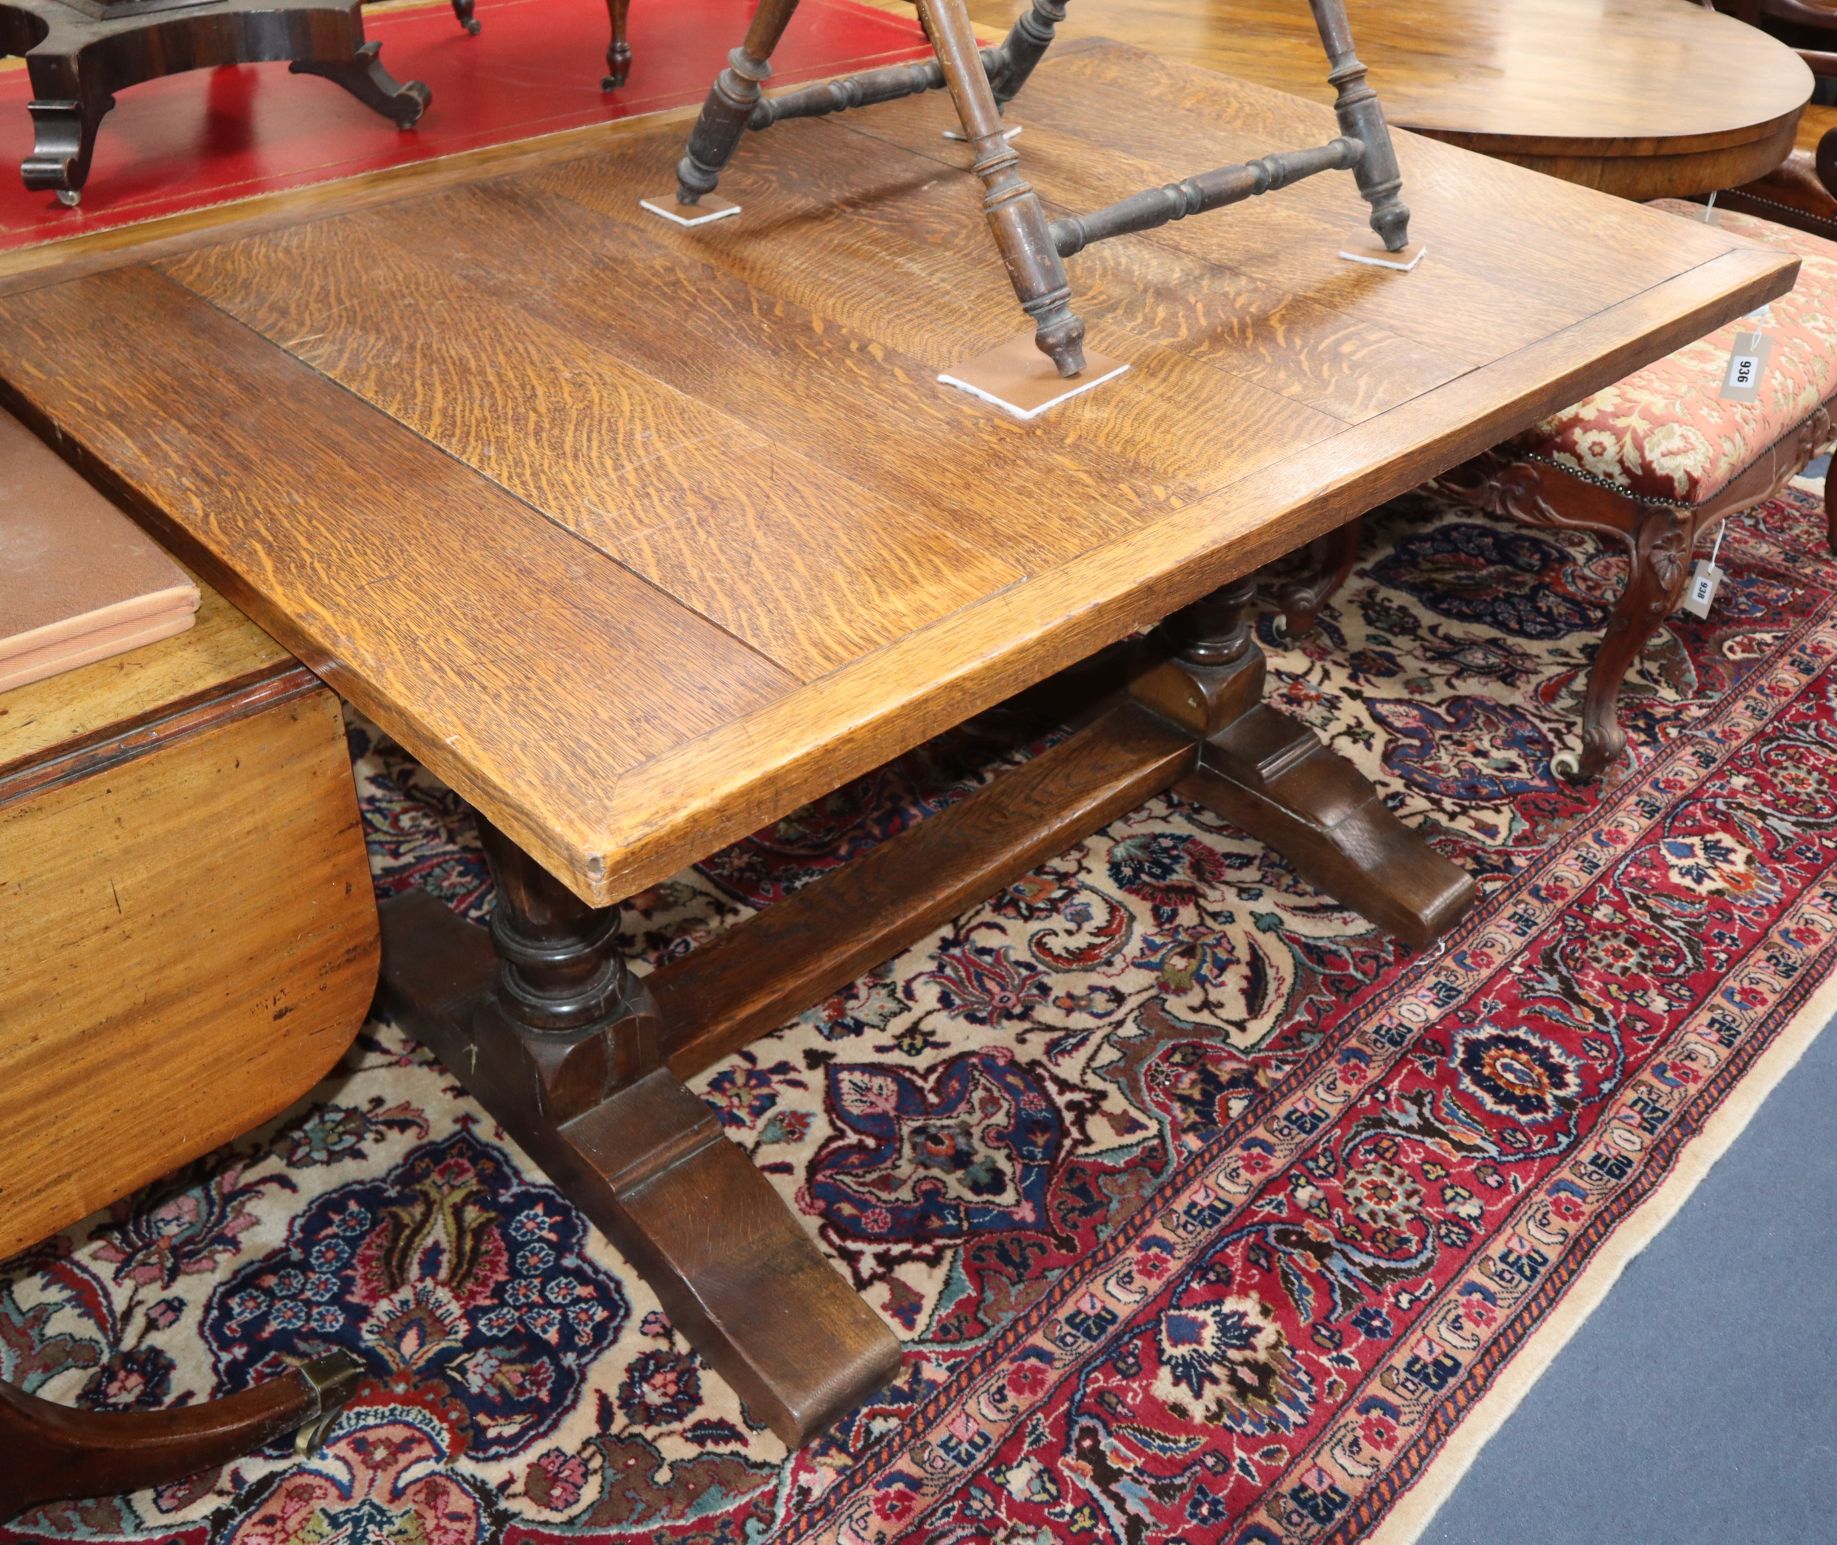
(352, 494)
(831, 257)
(619, 459)
(371, 554)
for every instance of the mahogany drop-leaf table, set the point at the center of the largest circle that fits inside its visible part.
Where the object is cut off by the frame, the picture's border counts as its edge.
(640, 536)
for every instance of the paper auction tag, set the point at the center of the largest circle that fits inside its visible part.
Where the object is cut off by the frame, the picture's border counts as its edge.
(1704, 579)
(1741, 382)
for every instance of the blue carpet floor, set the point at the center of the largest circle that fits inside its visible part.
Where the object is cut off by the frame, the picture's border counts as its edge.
(1698, 1404)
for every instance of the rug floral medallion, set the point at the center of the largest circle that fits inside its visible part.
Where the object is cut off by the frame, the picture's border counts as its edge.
(1204, 1211)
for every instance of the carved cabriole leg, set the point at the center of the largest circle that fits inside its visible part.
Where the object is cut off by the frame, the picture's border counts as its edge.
(618, 51)
(365, 78)
(1659, 550)
(560, 1043)
(717, 131)
(1016, 219)
(1658, 538)
(1830, 502)
(67, 107)
(1329, 563)
(1272, 777)
(1361, 117)
(54, 1453)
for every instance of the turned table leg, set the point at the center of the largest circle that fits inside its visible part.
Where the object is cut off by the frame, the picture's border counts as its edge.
(553, 1035)
(52, 1453)
(618, 50)
(1270, 775)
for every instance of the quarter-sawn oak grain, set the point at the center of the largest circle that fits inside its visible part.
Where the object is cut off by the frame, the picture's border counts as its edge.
(618, 647)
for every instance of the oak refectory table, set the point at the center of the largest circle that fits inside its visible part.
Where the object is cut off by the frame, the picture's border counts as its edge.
(642, 535)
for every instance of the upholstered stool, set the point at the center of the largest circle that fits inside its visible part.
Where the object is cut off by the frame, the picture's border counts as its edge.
(1657, 458)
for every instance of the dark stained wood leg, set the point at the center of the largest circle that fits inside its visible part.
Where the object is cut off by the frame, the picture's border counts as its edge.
(730, 103)
(1830, 501)
(1361, 117)
(1024, 47)
(1271, 776)
(53, 1453)
(363, 75)
(543, 1022)
(618, 51)
(757, 976)
(1329, 562)
(1660, 549)
(1015, 217)
(67, 107)
(463, 13)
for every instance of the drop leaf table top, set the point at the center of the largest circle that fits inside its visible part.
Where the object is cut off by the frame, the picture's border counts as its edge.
(640, 536)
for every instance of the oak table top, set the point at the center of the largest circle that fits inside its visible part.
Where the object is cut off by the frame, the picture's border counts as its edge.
(1643, 98)
(640, 536)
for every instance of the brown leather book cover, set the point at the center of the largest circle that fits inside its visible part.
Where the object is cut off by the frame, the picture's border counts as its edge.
(79, 581)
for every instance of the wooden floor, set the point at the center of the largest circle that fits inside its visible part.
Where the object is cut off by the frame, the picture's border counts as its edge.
(640, 536)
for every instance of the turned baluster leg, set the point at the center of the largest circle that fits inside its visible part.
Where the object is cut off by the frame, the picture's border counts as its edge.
(53, 1453)
(1660, 551)
(1013, 209)
(1272, 777)
(618, 51)
(1025, 46)
(1361, 117)
(559, 1041)
(718, 130)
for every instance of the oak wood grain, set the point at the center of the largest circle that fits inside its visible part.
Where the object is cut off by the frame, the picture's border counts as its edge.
(416, 587)
(418, 520)
(639, 470)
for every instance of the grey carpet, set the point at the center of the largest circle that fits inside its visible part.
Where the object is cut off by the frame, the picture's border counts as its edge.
(1698, 1404)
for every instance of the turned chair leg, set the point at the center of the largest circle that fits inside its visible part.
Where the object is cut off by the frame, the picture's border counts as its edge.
(1660, 551)
(1362, 118)
(618, 51)
(1016, 220)
(55, 1454)
(1025, 46)
(730, 103)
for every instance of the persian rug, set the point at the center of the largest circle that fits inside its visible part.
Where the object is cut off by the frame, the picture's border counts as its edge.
(210, 137)
(1205, 1212)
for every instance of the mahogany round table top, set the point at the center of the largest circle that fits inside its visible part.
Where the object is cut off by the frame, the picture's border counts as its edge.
(1644, 98)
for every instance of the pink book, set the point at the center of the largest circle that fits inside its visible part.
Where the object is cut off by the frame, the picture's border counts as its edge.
(79, 581)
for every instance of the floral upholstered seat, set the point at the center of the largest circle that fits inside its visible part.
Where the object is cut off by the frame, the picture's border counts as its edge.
(1663, 435)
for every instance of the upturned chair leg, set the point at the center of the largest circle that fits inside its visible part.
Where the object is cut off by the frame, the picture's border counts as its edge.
(1362, 118)
(1655, 584)
(1015, 217)
(730, 103)
(1025, 47)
